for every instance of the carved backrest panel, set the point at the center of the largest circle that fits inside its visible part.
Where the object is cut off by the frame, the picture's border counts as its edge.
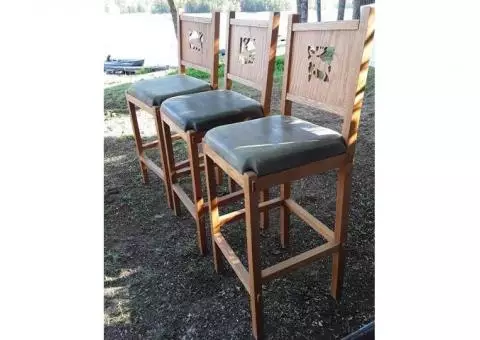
(196, 41)
(247, 50)
(320, 62)
(199, 40)
(321, 66)
(250, 53)
(326, 62)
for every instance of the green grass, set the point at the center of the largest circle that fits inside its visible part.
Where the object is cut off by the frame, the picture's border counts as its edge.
(200, 74)
(114, 100)
(145, 70)
(221, 70)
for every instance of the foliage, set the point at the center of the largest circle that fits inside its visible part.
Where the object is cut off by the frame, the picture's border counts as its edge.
(160, 7)
(279, 64)
(196, 6)
(262, 6)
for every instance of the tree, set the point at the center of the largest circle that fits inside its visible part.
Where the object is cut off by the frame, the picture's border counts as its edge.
(319, 10)
(356, 7)
(173, 11)
(341, 10)
(302, 9)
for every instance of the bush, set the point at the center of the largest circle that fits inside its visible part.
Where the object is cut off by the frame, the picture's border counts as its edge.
(201, 6)
(160, 8)
(262, 6)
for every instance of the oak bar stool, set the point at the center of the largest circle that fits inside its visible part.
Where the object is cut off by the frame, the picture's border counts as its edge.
(250, 59)
(326, 67)
(197, 47)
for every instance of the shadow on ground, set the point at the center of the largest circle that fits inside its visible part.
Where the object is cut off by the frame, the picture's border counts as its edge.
(158, 287)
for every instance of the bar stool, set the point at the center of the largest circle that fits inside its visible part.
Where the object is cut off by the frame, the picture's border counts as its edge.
(198, 48)
(250, 60)
(326, 67)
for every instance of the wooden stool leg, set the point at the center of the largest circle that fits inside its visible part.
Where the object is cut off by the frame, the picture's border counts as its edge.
(197, 192)
(214, 214)
(264, 216)
(232, 186)
(253, 252)
(284, 215)
(138, 141)
(163, 158)
(218, 175)
(169, 163)
(344, 183)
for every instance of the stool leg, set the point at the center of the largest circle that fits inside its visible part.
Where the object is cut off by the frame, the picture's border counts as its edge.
(232, 186)
(170, 163)
(197, 192)
(138, 141)
(284, 215)
(264, 216)
(253, 250)
(163, 158)
(218, 175)
(344, 183)
(214, 214)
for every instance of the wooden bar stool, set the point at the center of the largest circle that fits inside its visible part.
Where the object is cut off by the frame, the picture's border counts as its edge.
(326, 67)
(197, 47)
(250, 60)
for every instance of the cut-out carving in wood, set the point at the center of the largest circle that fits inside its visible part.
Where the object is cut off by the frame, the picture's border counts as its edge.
(247, 50)
(318, 57)
(196, 40)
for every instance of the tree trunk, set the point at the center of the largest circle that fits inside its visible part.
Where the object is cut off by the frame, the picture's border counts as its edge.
(341, 10)
(302, 9)
(173, 12)
(319, 10)
(356, 7)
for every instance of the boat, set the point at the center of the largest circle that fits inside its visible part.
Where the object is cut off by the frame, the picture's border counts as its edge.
(115, 63)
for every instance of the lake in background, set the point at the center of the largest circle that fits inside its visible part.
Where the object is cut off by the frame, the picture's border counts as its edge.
(152, 36)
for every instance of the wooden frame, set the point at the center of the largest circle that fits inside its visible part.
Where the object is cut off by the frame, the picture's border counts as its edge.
(253, 278)
(208, 63)
(258, 75)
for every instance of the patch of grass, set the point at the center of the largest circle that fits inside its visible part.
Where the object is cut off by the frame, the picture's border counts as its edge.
(200, 74)
(278, 72)
(114, 100)
(279, 61)
(145, 70)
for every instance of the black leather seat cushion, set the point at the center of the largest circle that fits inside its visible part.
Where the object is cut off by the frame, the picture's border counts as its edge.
(206, 110)
(154, 91)
(273, 144)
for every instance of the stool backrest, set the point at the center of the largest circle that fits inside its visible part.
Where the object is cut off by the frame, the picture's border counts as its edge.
(198, 41)
(326, 66)
(250, 54)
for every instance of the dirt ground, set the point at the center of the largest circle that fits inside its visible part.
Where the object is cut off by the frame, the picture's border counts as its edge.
(157, 286)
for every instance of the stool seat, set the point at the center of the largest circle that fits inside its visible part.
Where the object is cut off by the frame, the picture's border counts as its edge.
(153, 92)
(203, 111)
(273, 144)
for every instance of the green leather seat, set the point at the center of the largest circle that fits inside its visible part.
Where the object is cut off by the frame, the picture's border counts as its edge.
(273, 144)
(154, 91)
(206, 110)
